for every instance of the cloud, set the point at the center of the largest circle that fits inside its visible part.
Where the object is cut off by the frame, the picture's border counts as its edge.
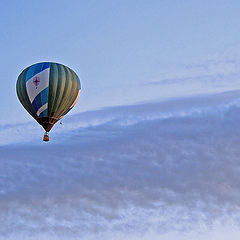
(184, 80)
(131, 172)
(215, 73)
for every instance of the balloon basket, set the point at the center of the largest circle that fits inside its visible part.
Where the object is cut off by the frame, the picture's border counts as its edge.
(46, 137)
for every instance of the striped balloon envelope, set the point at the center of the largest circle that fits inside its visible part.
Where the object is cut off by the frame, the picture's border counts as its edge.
(48, 91)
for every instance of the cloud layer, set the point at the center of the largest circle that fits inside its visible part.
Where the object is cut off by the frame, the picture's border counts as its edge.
(133, 172)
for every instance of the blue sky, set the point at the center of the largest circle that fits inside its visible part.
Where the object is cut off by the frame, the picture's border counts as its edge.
(119, 48)
(151, 149)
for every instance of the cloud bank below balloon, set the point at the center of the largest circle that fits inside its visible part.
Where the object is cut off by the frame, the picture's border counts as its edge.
(144, 171)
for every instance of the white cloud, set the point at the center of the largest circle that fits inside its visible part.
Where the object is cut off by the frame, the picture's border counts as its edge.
(148, 171)
(208, 74)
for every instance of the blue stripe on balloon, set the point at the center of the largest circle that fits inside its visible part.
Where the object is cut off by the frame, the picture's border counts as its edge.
(40, 99)
(36, 68)
(44, 113)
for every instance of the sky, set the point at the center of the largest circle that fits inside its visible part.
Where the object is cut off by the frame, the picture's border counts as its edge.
(150, 151)
(124, 52)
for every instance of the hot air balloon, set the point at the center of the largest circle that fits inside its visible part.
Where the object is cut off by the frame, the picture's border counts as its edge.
(48, 91)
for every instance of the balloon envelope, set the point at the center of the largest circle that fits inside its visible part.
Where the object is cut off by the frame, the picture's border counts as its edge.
(48, 91)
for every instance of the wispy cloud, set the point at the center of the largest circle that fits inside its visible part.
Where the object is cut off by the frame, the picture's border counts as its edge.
(184, 80)
(209, 75)
(135, 172)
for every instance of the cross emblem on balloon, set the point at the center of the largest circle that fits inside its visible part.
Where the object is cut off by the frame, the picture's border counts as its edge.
(36, 81)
